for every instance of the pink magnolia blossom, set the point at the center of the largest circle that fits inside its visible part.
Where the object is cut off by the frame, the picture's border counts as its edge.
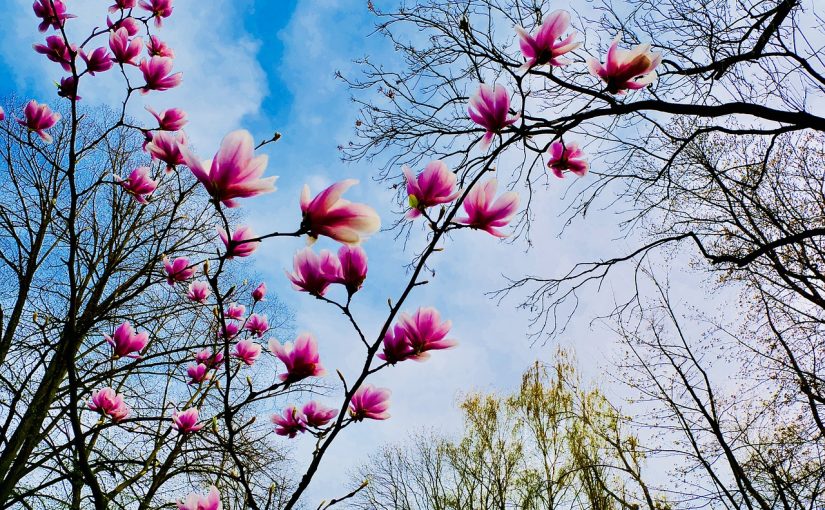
(489, 108)
(124, 49)
(198, 292)
(259, 293)
(166, 147)
(434, 186)
(131, 25)
(186, 421)
(68, 88)
(39, 118)
(57, 50)
(234, 172)
(122, 5)
(139, 184)
(545, 47)
(313, 273)
(486, 214)
(194, 501)
(247, 351)
(98, 61)
(172, 119)
(198, 373)
(157, 48)
(239, 246)
(207, 358)
(289, 423)
(229, 330)
(2, 114)
(108, 403)
(424, 332)
(301, 358)
(157, 74)
(234, 311)
(316, 415)
(179, 270)
(330, 215)
(397, 346)
(52, 13)
(626, 70)
(370, 402)
(566, 157)
(257, 324)
(353, 261)
(159, 8)
(125, 341)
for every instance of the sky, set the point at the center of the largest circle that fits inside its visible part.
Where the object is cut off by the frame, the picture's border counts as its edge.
(269, 66)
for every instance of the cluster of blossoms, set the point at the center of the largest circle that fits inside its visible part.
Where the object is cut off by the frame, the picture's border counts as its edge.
(622, 71)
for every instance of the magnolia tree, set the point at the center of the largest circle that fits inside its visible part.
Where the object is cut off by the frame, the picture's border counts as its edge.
(132, 347)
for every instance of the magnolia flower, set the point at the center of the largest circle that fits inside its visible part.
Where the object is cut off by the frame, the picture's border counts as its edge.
(301, 358)
(157, 74)
(125, 341)
(330, 215)
(198, 292)
(626, 70)
(484, 213)
(198, 373)
(179, 270)
(157, 48)
(234, 172)
(172, 119)
(52, 13)
(545, 47)
(159, 8)
(314, 273)
(424, 332)
(108, 403)
(370, 402)
(289, 423)
(397, 346)
(566, 157)
(2, 114)
(489, 108)
(166, 147)
(57, 50)
(122, 5)
(316, 415)
(98, 61)
(139, 184)
(259, 293)
(257, 325)
(229, 330)
(39, 118)
(247, 351)
(239, 246)
(68, 88)
(234, 311)
(434, 186)
(131, 25)
(124, 49)
(353, 271)
(186, 421)
(194, 501)
(207, 358)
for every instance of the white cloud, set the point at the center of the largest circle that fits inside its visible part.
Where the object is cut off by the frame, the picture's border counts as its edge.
(223, 83)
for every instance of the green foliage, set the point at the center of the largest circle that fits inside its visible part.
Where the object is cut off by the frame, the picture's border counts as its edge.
(552, 444)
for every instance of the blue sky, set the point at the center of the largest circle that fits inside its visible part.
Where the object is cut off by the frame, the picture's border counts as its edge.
(268, 65)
